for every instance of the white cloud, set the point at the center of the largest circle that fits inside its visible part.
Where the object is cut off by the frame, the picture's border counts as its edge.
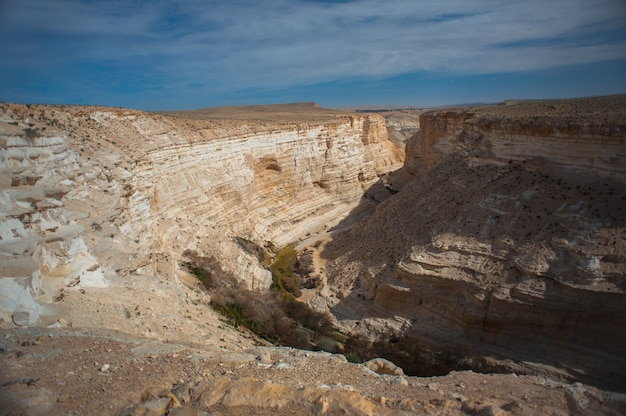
(245, 44)
(279, 43)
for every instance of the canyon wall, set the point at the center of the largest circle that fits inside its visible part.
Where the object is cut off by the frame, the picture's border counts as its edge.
(509, 244)
(584, 135)
(91, 194)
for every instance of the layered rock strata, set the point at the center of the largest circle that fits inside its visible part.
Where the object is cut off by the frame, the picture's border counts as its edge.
(91, 192)
(510, 242)
(585, 135)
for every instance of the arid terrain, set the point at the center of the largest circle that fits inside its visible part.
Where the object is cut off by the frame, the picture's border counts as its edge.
(484, 256)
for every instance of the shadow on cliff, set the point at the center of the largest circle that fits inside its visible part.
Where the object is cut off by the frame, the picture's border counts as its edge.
(532, 216)
(371, 198)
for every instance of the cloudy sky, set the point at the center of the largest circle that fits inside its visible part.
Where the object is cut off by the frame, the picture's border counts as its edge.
(181, 54)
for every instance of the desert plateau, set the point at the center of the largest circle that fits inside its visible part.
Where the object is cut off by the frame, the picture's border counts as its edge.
(292, 259)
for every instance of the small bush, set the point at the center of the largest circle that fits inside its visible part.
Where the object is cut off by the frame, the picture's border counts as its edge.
(328, 344)
(305, 263)
(292, 284)
(353, 358)
(207, 270)
(31, 132)
(201, 274)
(253, 249)
(312, 282)
(262, 313)
(306, 269)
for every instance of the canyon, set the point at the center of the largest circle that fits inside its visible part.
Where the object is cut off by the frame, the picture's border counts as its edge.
(503, 251)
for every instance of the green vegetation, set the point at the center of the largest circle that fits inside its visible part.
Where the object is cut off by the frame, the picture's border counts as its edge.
(273, 317)
(277, 316)
(201, 274)
(284, 278)
(206, 269)
(351, 357)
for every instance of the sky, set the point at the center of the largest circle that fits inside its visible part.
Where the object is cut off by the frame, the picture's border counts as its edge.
(186, 54)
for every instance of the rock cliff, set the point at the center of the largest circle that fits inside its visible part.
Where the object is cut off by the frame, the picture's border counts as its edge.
(88, 192)
(585, 135)
(510, 243)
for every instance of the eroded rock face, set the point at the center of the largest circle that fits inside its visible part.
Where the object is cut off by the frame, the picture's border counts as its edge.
(40, 241)
(584, 136)
(511, 242)
(91, 192)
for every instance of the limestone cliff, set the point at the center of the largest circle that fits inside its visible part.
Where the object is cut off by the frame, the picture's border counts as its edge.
(585, 135)
(89, 192)
(510, 242)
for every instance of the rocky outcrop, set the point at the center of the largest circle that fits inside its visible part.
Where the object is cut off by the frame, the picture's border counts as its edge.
(40, 241)
(586, 135)
(510, 243)
(88, 193)
(402, 124)
(382, 366)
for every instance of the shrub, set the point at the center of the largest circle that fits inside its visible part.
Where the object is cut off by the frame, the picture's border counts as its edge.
(207, 270)
(261, 313)
(201, 274)
(253, 249)
(275, 315)
(328, 344)
(312, 282)
(305, 263)
(353, 358)
(306, 269)
(31, 132)
(292, 284)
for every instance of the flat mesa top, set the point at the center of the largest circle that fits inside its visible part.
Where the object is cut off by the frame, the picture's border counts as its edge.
(596, 110)
(281, 113)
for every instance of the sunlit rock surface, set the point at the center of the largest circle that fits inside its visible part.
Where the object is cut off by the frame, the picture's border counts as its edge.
(88, 192)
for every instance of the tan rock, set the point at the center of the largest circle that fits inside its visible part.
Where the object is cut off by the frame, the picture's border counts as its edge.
(509, 241)
(383, 366)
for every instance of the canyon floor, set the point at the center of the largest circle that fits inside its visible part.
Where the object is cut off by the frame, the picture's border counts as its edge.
(124, 329)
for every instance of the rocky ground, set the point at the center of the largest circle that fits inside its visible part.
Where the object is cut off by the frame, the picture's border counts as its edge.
(89, 372)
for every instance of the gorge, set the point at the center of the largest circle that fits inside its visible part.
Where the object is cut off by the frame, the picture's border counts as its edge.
(503, 251)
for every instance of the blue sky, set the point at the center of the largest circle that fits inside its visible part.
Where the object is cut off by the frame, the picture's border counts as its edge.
(182, 54)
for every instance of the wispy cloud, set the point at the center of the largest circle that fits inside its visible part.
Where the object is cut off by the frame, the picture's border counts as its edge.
(234, 45)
